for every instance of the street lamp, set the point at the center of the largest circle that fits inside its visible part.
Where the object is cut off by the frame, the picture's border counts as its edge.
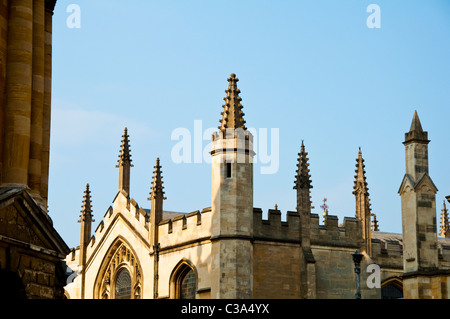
(357, 257)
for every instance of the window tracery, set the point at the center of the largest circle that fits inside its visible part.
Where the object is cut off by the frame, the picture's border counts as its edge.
(122, 278)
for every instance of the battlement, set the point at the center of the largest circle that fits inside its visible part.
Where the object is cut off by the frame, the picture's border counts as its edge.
(232, 140)
(275, 229)
(185, 228)
(329, 234)
(332, 234)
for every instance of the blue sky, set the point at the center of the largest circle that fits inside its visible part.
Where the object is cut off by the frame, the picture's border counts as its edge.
(311, 69)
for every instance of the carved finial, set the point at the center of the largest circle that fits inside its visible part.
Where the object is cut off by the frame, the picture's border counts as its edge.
(360, 184)
(157, 190)
(86, 208)
(302, 182)
(374, 225)
(444, 231)
(125, 155)
(302, 179)
(232, 115)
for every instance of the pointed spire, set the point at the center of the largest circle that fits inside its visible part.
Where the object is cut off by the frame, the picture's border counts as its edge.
(302, 179)
(360, 184)
(445, 229)
(157, 190)
(232, 115)
(415, 125)
(125, 155)
(416, 133)
(86, 211)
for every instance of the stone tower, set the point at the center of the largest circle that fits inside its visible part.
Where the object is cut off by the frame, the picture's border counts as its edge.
(417, 191)
(232, 201)
(362, 209)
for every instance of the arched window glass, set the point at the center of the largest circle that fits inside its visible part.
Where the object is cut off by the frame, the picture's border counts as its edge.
(123, 284)
(188, 286)
(391, 292)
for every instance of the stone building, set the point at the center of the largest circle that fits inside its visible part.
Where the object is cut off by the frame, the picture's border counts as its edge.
(229, 251)
(31, 251)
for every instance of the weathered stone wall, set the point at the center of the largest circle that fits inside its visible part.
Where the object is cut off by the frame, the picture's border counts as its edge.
(23, 254)
(276, 270)
(279, 262)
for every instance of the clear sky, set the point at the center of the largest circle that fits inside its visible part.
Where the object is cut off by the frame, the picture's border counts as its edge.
(309, 70)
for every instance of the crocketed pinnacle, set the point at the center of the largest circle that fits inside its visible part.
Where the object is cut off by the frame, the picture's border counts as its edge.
(444, 231)
(232, 115)
(86, 208)
(157, 190)
(302, 179)
(125, 155)
(360, 184)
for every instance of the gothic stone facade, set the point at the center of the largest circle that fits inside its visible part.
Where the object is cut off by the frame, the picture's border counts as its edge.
(229, 251)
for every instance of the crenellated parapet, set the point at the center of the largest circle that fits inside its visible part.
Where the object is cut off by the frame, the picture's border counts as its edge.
(330, 234)
(274, 228)
(184, 229)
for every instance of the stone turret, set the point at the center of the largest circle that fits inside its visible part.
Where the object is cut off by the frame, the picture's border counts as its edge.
(232, 201)
(124, 164)
(362, 201)
(418, 192)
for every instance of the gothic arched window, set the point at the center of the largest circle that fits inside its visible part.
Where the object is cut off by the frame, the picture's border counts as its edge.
(188, 285)
(184, 281)
(120, 276)
(123, 284)
(392, 288)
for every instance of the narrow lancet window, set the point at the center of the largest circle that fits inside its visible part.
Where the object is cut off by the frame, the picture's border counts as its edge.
(228, 170)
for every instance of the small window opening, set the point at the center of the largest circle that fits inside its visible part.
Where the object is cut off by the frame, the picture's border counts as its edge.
(228, 170)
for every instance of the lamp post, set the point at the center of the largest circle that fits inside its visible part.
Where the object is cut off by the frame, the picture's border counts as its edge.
(357, 257)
